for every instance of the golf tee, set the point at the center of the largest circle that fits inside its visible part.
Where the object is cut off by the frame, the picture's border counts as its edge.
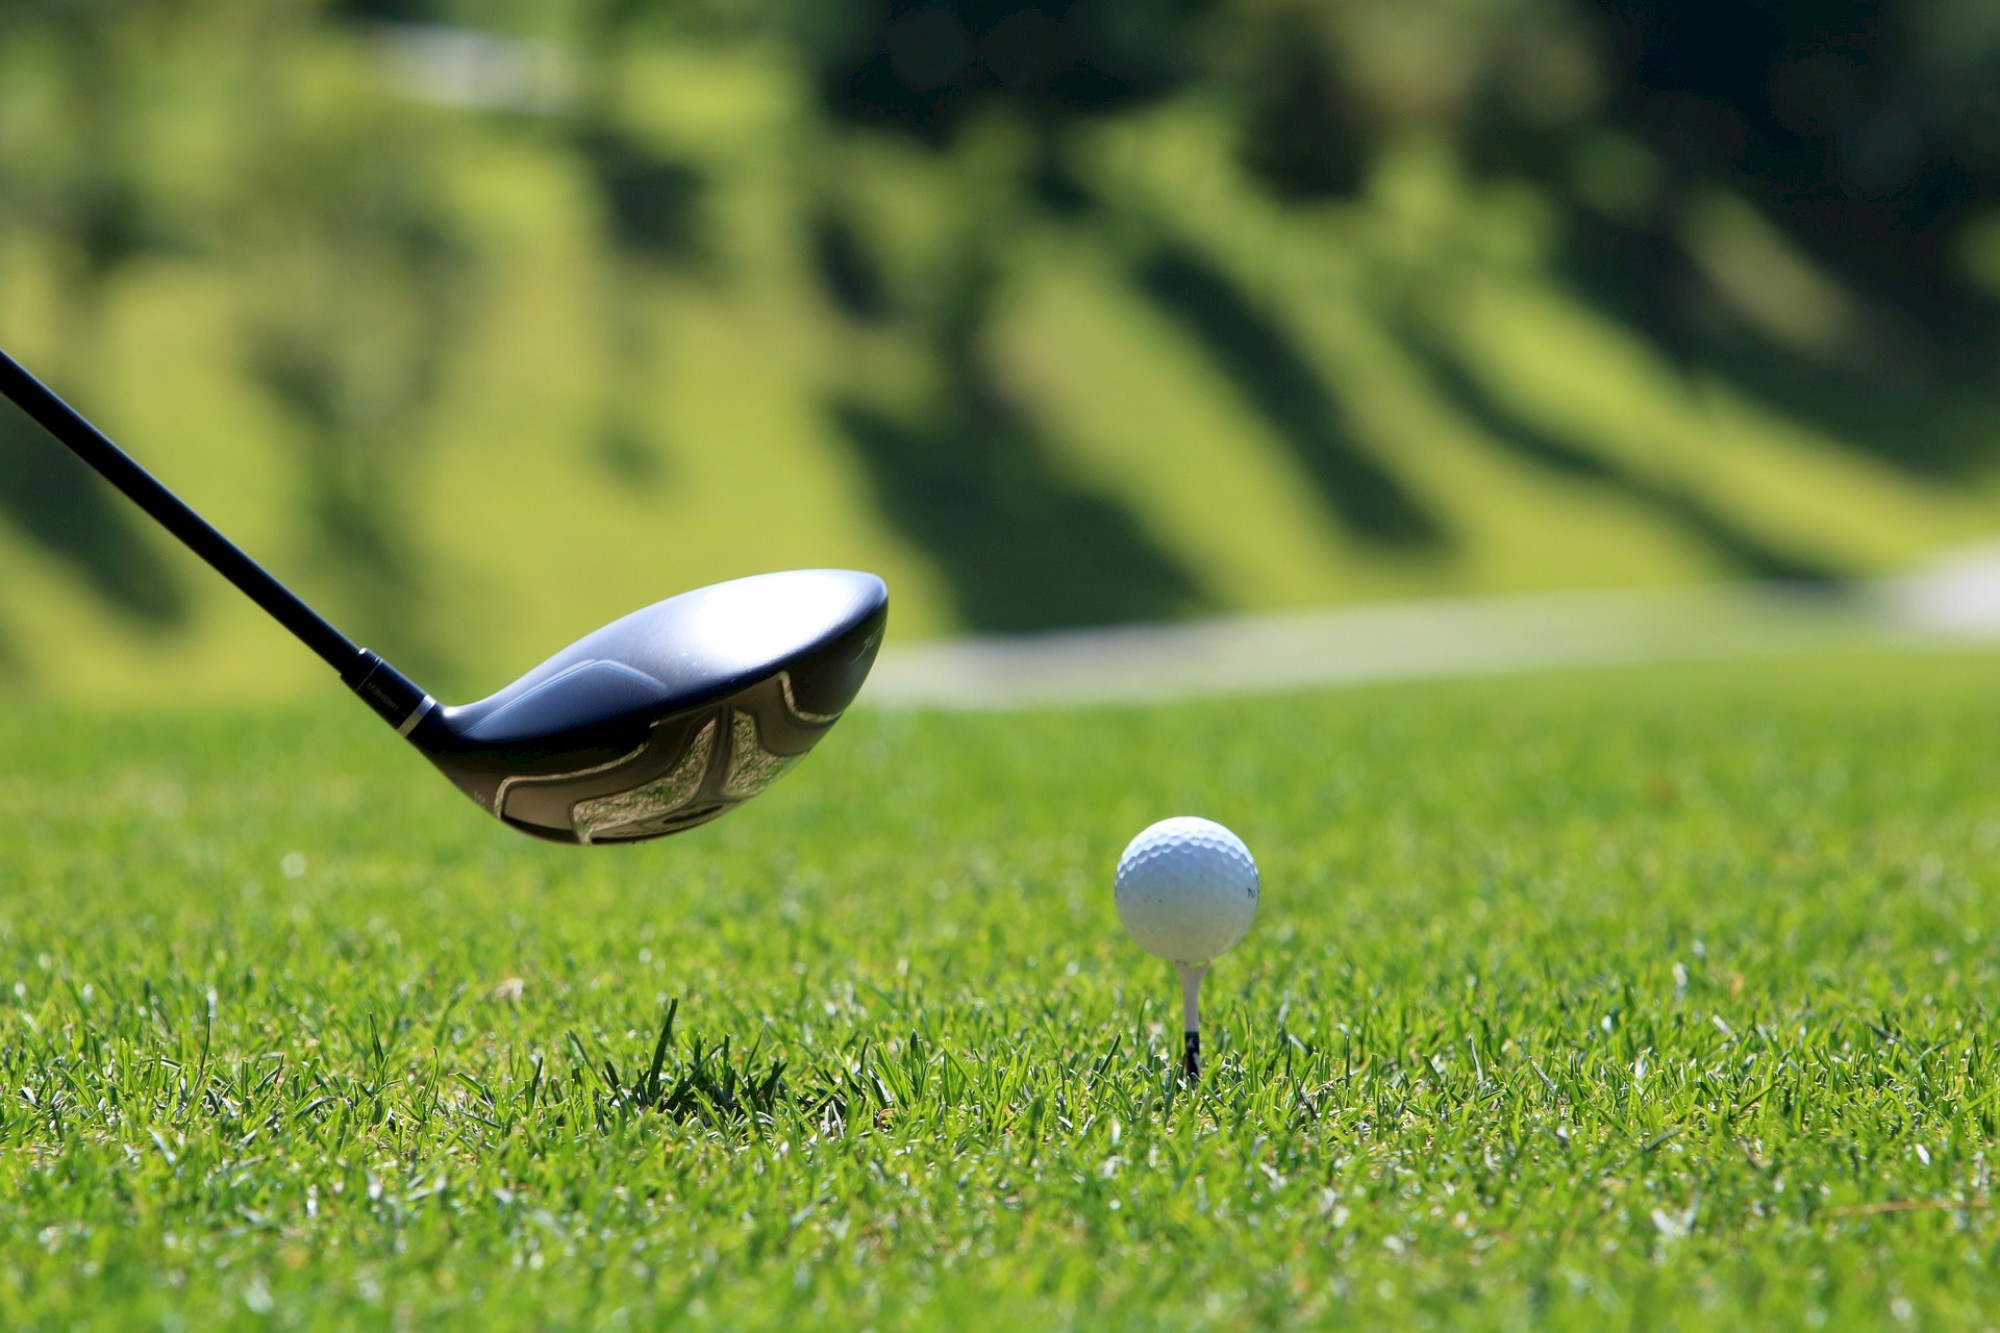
(1191, 1018)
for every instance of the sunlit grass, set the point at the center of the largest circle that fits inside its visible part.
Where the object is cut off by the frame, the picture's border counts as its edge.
(524, 538)
(1656, 996)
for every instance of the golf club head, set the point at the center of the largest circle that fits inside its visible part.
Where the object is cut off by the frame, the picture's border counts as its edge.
(669, 717)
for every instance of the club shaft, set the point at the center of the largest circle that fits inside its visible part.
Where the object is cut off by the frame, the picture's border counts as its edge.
(143, 489)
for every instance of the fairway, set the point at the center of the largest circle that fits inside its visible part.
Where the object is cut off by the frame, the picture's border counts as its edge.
(1642, 997)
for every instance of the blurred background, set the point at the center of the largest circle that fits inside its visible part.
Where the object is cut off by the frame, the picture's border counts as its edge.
(486, 323)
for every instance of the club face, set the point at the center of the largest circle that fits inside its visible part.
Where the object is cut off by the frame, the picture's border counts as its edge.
(671, 716)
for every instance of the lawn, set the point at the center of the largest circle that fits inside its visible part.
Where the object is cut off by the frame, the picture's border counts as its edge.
(1643, 997)
(1544, 444)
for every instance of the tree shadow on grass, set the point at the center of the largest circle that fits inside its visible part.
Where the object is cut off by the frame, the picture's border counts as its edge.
(1925, 416)
(1736, 547)
(1271, 371)
(1903, 395)
(653, 213)
(51, 497)
(972, 480)
(848, 267)
(1021, 547)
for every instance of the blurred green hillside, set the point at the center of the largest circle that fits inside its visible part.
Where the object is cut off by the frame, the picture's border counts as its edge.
(482, 338)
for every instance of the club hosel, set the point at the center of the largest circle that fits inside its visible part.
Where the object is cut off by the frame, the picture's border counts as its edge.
(401, 701)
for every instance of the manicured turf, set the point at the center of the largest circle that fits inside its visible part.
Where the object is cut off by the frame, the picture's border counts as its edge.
(1649, 998)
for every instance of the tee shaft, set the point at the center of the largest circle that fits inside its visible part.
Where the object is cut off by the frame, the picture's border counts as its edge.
(1191, 1018)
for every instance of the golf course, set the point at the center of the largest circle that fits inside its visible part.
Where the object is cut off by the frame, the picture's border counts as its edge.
(1528, 470)
(1637, 997)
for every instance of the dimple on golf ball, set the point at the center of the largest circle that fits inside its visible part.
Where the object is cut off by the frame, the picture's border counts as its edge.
(1187, 890)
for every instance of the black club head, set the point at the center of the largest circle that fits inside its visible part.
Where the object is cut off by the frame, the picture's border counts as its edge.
(669, 717)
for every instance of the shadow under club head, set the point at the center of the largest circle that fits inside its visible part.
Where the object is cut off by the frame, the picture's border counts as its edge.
(669, 717)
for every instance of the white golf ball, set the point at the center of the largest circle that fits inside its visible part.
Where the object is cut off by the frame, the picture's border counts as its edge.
(1187, 890)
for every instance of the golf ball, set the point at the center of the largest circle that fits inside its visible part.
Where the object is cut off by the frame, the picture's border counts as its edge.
(1187, 890)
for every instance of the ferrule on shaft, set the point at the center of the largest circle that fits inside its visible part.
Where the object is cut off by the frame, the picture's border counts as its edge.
(401, 702)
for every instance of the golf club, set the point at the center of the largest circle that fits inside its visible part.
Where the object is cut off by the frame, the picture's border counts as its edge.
(654, 724)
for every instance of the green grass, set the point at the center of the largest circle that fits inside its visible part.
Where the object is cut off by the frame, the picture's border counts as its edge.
(501, 492)
(1656, 998)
